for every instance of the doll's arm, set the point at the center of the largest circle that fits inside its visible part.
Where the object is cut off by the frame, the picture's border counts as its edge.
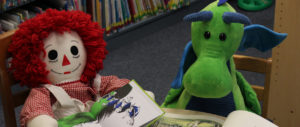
(151, 94)
(111, 83)
(37, 104)
(97, 82)
(42, 121)
(96, 85)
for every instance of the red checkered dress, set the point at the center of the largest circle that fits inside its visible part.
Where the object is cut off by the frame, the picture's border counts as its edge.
(39, 101)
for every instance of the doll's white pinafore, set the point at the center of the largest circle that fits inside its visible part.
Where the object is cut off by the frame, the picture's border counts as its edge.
(65, 105)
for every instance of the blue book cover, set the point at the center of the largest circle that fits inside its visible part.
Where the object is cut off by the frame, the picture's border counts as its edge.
(117, 12)
(83, 2)
(127, 9)
(110, 13)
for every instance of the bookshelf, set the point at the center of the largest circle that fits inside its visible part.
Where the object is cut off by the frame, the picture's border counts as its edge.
(139, 24)
(92, 7)
(143, 21)
(5, 8)
(14, 12)
(146, 21)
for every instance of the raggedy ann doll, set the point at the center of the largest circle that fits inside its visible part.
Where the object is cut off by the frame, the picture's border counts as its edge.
(58, 54)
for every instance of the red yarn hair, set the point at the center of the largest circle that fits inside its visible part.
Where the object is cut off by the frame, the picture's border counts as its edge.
(27, 45)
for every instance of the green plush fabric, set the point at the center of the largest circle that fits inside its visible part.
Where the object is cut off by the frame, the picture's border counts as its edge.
(83, 117)
(209, 76)
(237, 94)
(172, 98)
(249, 94)
(254, 5)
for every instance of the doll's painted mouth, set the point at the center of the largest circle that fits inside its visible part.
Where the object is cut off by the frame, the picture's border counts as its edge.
(67, 72)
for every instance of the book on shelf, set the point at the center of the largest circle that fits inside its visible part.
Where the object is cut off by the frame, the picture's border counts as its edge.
(128, 106)
(81, 5)
(8, 4)
(1, 31)
(10, 20)
(94, 14)
(6, 25)
(188, 118)
(99, 12)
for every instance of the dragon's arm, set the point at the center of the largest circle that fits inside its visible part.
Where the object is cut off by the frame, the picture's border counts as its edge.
(249, 94)
(83, 117)
(172, 98)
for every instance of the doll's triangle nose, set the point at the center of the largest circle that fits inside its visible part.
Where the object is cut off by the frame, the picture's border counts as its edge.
(65, 61)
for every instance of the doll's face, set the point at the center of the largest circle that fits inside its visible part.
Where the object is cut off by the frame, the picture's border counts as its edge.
(65, 57)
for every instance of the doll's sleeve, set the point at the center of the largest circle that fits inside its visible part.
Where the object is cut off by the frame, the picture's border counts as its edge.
(111, 83)
(37, 103)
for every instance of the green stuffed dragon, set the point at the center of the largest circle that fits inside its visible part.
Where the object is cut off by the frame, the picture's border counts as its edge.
(207, 80)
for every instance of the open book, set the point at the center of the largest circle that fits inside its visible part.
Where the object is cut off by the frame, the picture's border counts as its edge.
(187, 118)
(128, 106)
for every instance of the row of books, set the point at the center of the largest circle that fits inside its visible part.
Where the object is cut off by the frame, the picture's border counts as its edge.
(115, 15)
(120, 13)
(87, 6)
(11, 20)
(9, 4)
(76, 5)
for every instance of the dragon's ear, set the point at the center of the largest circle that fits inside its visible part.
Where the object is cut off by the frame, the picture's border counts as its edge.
(188, 58)
(261, 38)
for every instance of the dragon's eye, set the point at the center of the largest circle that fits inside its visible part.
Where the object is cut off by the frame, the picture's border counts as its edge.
(207, 34)
(222, 36)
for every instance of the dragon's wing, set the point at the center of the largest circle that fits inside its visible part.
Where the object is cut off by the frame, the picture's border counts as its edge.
(260, 37)
(249, 94)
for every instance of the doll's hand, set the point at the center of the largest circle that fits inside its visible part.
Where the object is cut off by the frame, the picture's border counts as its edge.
(150, 94)
(42, 121)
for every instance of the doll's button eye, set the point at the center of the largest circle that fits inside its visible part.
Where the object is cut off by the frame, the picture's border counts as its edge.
(52, 55)
(207, 35)
(222, 36)
(74, 50)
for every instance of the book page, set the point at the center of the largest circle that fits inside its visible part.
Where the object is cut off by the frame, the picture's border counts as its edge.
(188, 118)
(129, 106)
(246, 119)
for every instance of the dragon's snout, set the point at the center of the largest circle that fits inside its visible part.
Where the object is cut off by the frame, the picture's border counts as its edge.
(209, 78)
